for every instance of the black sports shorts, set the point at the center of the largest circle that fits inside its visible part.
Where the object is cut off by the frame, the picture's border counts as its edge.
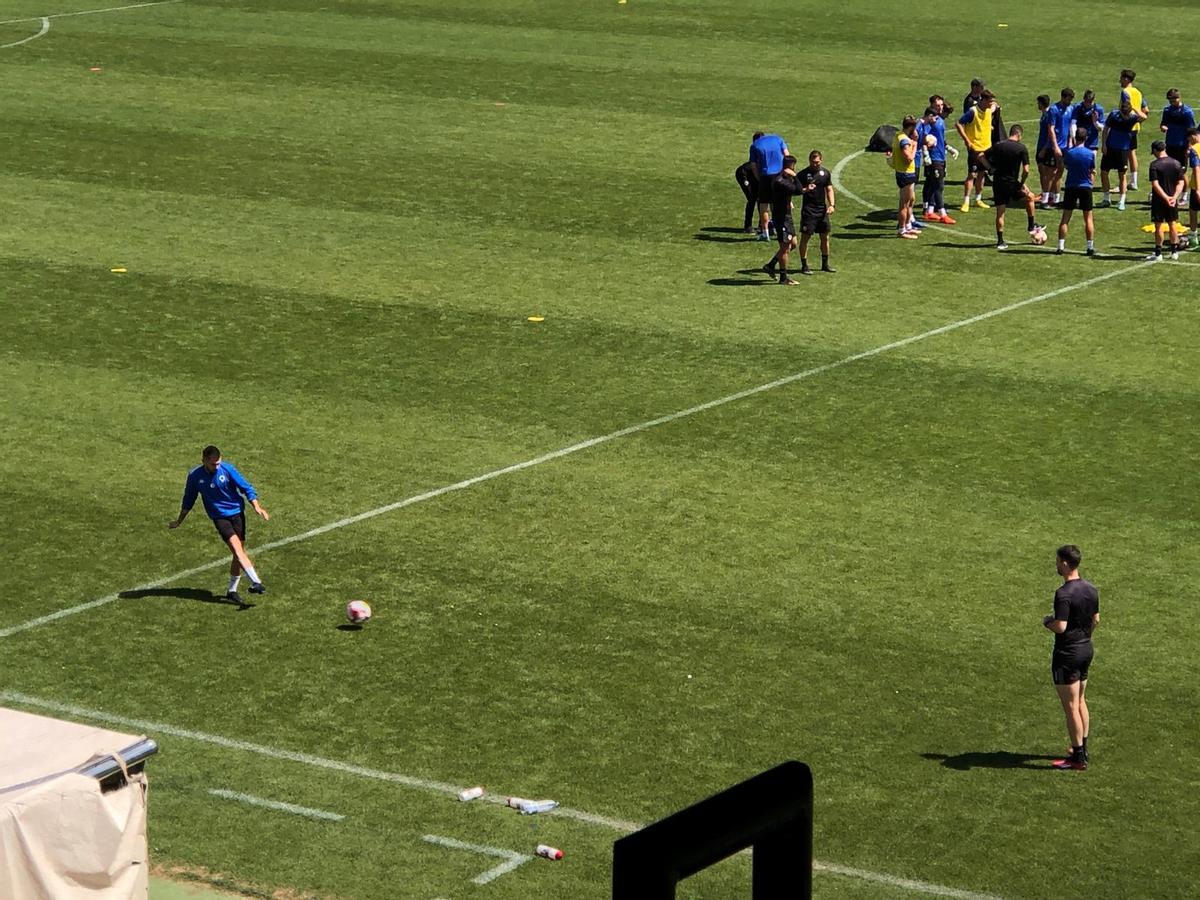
(1046, 157)
(1070, 664)
(1179, 154)
(228, 527)
(1008, 192)
(764, 189)
(1133, 140)
(746, 181)
(1160, 212)
(976, 162)
(1114, 159)
(1079, 198)
(785, 231)
(814, 222)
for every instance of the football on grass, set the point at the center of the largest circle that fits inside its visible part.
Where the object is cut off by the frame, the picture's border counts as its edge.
(358, 611)
(1038, 236)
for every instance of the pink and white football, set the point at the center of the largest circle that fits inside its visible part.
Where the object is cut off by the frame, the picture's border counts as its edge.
(358, 611)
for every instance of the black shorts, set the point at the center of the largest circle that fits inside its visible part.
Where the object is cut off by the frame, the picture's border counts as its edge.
(1132, 141)
(1179, 154)
(764, 189)
(904, 179)
(228, 527)
(1070, 664)
(1114, 159)
(1194, 200)
(1161, 212)
(814, 221)
(1079, 198)
(1008, 192)
(1046, 157)
(976, 162)
(935, 171)
(785, 231)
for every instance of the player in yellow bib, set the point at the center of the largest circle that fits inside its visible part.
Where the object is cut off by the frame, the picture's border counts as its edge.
(1137, 101)
(904, 162)
(975, 128)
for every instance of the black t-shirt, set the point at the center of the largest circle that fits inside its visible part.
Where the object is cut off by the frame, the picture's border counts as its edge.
(1009, 159)
(783, 188)
(745, 173)
(814, 180)
(1075, 603)
(1168, 173)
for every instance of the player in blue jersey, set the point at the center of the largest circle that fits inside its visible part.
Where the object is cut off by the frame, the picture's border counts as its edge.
(222, 488)
(1116, 142)
(1061, 133)
(1089, 115)
(1177, 118)
(1044, 153)
(1080, 165)
(766, 157)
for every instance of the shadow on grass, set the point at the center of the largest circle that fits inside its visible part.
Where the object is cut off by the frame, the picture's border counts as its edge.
(723, 239)
(721, 229)
(741, 282)
(992, 759)
(349, 626)
(198, 594)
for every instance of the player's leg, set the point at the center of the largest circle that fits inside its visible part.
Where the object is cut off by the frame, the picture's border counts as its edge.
(1173, 224)
(823, 231)
(787, 243)
(805, 234)
(1063, 224)
(1089, 230)
(1122, 185)
(1068, 695)
(1105, 181)
(1000, 208)
(968, 180)
(238, 549)
(1030, 211)
(1132, 164)
(1084, 718)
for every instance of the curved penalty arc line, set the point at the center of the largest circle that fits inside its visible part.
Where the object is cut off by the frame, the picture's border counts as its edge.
(45, 20)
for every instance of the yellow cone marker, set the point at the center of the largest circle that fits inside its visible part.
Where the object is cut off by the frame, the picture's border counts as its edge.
(537, 319)
(1002, 25)
(119, 270)
(1149, 229)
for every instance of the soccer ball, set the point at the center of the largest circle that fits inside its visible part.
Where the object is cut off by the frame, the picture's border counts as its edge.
(931, 141)
(358, 611)
(1038, 236)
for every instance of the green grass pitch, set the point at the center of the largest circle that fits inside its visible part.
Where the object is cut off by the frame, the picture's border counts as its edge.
(336, 218)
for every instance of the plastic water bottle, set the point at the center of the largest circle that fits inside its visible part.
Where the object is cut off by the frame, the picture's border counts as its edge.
(549, 852)
(529, 807)
(470, 794)
(515, 802)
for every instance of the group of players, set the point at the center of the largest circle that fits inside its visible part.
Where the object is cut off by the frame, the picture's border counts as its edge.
(1074, 139)
(770, 180)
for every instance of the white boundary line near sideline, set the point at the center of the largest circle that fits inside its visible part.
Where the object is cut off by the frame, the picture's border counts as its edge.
(584, 445)
(438, 787)
(512, 859)
(306, 811)
(89, 12)
(45, 27)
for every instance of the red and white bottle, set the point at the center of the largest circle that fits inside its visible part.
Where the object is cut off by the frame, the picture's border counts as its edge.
(549, 852)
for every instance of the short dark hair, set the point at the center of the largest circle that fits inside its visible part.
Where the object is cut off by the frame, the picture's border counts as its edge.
(210, 452)
(930, 111)
(977, 82)
(1015, 131)
(1158, 147)
(1070, 554)
(987, 95)
(1129, 74)
(1067, 94)
(1089, 96)
(1173, 94)
(1043, 101)
(812, 153)
(789, 161)
(909, 122)
(757, 135)
(934, 98)
(1193, 132)
(1081, 135)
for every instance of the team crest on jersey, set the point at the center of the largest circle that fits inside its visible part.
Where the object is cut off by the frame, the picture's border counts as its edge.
(821, 172)
(221, 479)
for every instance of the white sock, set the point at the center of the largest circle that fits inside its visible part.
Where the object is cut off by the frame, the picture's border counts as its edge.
(1045, 198)
(1091, 245)
(249, 570)
(1062, 244)
(1133, 183)
(233, 582)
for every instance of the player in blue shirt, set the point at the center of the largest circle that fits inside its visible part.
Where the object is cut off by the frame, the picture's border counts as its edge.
(766, 158)
(221, 487)
(1080, 165)
(1116, 142)
(1177, 118)
(1060, 125)
(1089, 115)
(1044, 154)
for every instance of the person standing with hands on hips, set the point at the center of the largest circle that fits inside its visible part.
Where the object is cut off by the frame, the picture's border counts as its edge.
(1076, 615)
(222, 487)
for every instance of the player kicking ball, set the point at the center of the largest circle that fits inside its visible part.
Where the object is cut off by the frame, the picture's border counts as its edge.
(222, 487)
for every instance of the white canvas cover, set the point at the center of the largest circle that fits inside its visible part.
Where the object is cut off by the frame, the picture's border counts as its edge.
(60, 837)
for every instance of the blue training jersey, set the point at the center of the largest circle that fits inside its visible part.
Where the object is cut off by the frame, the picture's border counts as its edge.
(1091, 118)
(767, 154)
(1062, 123)
(1178, 120)
(1044, 130)
(937, 153)
(1120, 130)
(221, 491)
(1079, 162)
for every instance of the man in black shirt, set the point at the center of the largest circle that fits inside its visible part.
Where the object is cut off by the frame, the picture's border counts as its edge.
(817, 185)
(1009, 160)
(784, 186)
(1166, 184)
(1076, 615)
(747, 180)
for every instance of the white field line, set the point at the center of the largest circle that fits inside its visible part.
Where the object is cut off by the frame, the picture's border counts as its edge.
(90, 12)
(306, 811)
(584, 445)
(511, 858)
(439, 787)
(45, 27)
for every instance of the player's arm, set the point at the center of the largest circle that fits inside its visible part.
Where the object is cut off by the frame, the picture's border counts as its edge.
(248, 489)
(190, 491)
(1095, 621)
(1141, 115)
(1104, 139)
(829, 197)
(1052, 132)
(1162, 123)
(962, 132)
(909, 149)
